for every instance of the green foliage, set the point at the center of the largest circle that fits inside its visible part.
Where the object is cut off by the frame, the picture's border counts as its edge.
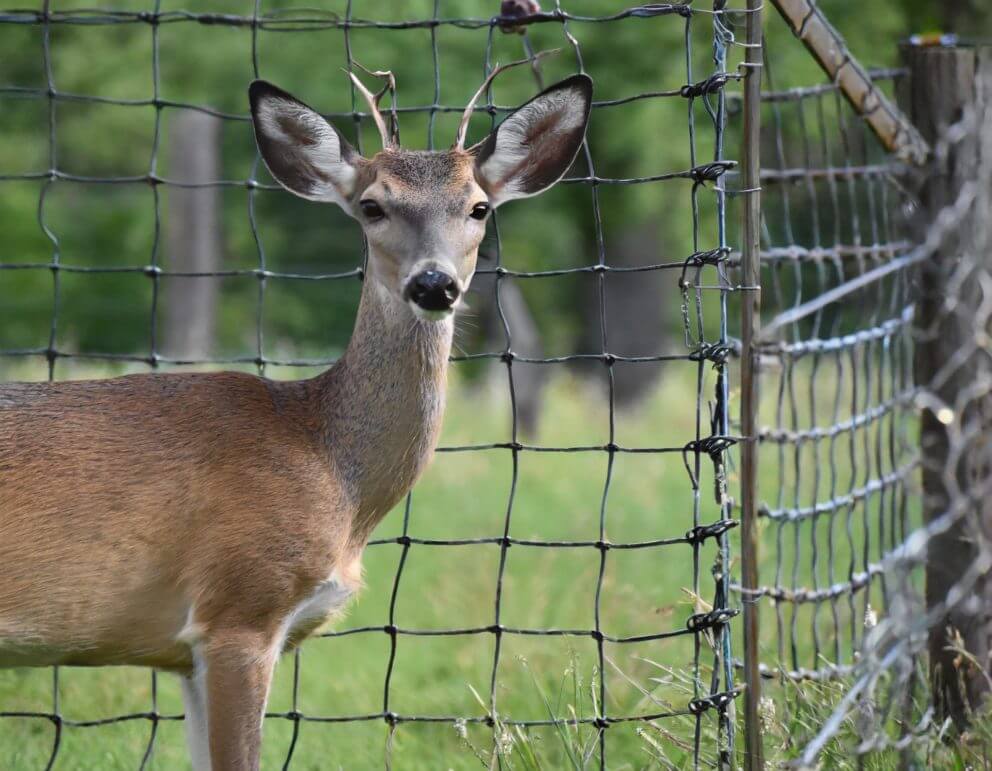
(114, 225)
(100, 225)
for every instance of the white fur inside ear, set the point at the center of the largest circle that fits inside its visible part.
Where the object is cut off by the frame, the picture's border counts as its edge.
(311, 145)
(558, 113)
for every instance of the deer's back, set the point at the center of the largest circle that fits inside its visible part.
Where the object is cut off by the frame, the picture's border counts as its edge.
(211, 490)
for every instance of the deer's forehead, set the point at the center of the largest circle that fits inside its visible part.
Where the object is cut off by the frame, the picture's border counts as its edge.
(409, 176)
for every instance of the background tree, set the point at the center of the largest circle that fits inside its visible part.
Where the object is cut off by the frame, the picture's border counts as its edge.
(208, 66)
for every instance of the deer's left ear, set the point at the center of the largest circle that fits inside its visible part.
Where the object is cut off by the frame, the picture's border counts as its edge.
(533, 148)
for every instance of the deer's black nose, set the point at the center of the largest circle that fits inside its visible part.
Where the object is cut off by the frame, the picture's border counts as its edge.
(433, 290)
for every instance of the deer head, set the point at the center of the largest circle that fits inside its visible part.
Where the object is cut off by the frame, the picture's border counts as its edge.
(424, 213)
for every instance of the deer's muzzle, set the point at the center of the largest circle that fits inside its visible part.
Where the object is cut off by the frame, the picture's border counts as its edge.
(432, 290)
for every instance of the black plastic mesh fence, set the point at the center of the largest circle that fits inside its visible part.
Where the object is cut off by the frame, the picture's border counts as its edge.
(694, 722)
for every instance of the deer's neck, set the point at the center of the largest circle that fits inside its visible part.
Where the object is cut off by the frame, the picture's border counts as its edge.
(382, 403)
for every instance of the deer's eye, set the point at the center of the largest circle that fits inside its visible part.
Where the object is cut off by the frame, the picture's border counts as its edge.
(479, 211)
(371, 209)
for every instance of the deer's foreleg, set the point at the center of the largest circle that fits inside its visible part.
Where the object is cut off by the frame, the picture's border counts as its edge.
(195, 719)
(239, 667)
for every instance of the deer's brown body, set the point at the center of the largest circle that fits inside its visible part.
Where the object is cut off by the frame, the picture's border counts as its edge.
(148, 498)
(202, 523)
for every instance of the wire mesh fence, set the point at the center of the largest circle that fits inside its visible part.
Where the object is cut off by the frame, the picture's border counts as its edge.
(838, 382)
(922, 671)
(672, 693)
(872, 441)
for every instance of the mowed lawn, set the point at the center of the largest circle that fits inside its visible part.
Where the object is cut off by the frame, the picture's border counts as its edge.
(466, 495)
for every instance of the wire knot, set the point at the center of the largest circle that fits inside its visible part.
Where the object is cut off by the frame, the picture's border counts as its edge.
(713, 83)
(710, 172)
(699, 534)
(713, 701)
(718, 617)
(714, 352)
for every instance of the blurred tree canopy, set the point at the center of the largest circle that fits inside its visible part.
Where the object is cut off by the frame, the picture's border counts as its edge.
(95, 224)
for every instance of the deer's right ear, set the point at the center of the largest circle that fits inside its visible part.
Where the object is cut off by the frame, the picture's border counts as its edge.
(304, 152)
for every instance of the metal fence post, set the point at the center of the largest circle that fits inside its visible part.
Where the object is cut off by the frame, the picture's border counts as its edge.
(944, 87)
(750, 324)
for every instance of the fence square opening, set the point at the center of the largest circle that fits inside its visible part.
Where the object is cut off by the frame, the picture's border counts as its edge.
(85, 324)
(104, 227)
(550, 588)
(558, 496)
(126, 75)
(547, 677)
(119, 127)
(649, 495)
(27, 300)
(649, 591)
(432, 675)
(426, 596)
(206, 65)
(359, 744)
(328, 689)
(448, 505)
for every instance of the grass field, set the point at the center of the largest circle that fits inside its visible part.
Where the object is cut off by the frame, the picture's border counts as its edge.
(465, 495)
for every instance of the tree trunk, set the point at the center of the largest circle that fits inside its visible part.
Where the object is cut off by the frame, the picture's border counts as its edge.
(193, 239)
(636, 315)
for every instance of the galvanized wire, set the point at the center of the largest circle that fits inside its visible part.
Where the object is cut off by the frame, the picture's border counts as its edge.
(837, 383)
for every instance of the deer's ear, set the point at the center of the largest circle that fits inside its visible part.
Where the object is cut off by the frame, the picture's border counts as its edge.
(534, 146)
(304, 152)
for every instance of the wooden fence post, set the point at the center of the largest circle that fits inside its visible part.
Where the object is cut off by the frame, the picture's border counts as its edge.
(944, 85)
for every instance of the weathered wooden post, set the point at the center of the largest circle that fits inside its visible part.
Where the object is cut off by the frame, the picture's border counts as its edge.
(193, 241)
(948, 87)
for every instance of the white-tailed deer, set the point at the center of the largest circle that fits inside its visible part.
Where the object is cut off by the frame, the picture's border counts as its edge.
(203, 523)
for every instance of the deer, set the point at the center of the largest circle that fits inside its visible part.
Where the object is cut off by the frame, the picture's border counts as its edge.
(203, 523)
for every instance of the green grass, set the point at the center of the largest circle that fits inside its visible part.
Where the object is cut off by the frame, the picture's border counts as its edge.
(557, 496)
(465, 495)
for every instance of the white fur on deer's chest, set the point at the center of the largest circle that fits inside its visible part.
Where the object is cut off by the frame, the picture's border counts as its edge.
(327, 598)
